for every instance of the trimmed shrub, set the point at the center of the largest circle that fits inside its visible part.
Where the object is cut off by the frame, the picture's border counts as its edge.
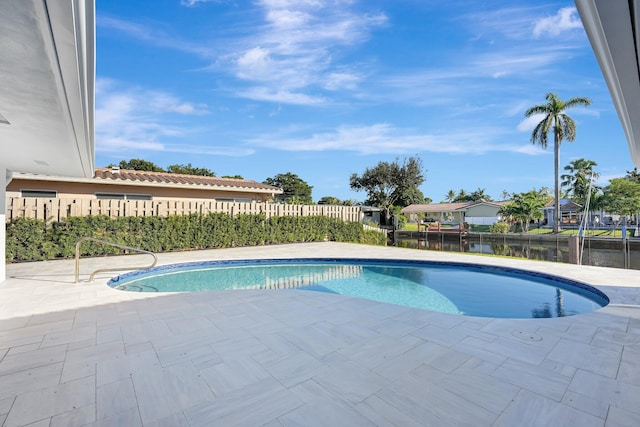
(499, 228)
(35, 240)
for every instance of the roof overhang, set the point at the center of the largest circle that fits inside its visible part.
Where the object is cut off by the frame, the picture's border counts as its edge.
(47, 79)
(613, 30)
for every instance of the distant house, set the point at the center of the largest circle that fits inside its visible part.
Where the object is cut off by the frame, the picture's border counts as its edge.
(479, 213)
(569, 212)
(114, 183)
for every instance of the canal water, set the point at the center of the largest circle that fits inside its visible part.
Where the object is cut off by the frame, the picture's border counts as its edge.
(615, 253)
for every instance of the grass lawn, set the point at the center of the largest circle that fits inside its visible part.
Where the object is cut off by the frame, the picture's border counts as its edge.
(412, 226)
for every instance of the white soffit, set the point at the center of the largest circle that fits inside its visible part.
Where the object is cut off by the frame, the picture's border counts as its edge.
(612, 27)
(47, 79)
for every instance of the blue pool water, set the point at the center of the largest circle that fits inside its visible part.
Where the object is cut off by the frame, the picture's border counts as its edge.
(468, 289)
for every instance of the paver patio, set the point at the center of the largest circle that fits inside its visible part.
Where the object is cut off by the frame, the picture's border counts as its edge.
(85, 354)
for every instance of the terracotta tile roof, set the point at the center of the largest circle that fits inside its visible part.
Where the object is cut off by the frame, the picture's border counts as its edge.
(143, 177)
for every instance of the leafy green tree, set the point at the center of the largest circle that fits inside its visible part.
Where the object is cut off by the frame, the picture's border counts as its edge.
(633, 175)
(622, 197)
(475, 196)
(329, 200)
(188, 169)
(295, 190)
(138, 165)
(563, 127)
(233, 176)
(524, 208)
(411, 196)
(388, 184)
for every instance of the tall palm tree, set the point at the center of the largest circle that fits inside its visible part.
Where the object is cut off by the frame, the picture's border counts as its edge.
(564, 128)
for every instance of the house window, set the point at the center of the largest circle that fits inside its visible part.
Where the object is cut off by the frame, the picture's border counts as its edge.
(123, 196)
(50, 194)
(110, 196)
(138, 196)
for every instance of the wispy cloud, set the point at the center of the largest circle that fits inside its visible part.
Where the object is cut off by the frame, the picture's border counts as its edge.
(132, 118)
(514, 23)
(291, 55)
(294, 52)
(155, 36)
(529, 123)
(564, 20)
(382, 138)
(191, 3)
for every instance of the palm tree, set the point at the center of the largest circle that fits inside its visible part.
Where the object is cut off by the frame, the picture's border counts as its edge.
(451, 195)
(563, 128)
(579, 179)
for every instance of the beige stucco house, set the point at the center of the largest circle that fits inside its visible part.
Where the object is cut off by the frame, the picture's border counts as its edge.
(113, 183)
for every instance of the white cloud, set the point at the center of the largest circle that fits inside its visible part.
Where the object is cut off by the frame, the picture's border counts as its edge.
(134, 118)
(511, 22)
(566, 19)
(297, 48)
(191, 3)
(280, 96)
(287, 18)
(529, 124)
(382, 138)
(341, 80)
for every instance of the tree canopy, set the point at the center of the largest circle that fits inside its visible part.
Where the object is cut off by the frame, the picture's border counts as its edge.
(138, 165)
(633, 175)
(188, 169)
(329, 200)
(579, 179)
(295, 190)
(622, 196)
(475, 196)
(389, 184)
(524, 208)
(145, 165)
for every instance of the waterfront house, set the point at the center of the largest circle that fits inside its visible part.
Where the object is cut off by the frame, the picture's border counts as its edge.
(479, 213)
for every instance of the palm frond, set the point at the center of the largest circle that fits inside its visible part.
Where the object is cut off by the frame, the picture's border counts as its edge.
(568, 128)
(577, 101)
(537, 109)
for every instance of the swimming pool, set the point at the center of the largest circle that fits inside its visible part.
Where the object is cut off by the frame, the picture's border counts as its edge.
(456, 288)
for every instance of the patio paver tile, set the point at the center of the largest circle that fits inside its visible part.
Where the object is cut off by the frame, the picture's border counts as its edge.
(50, 401)
(532, 410)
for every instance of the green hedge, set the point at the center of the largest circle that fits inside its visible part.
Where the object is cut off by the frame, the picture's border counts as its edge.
(34, 240)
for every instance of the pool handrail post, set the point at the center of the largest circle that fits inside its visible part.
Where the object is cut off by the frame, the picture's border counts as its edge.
(117, 245)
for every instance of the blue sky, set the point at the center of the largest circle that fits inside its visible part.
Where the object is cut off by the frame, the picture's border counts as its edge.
(327, 88)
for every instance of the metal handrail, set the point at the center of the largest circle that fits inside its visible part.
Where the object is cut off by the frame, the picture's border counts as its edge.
(117, 245)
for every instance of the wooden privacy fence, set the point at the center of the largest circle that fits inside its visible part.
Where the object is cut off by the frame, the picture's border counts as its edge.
(59, 209)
